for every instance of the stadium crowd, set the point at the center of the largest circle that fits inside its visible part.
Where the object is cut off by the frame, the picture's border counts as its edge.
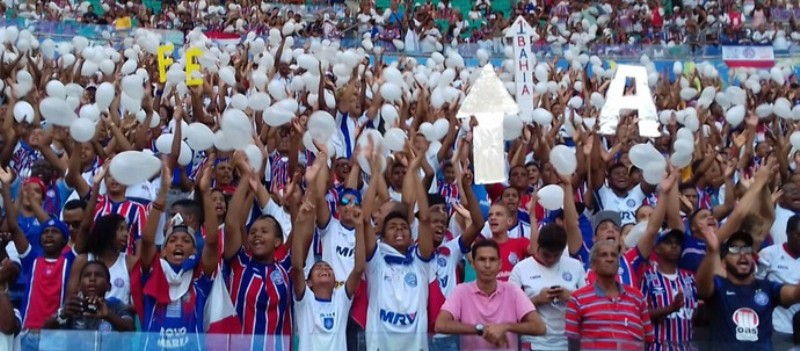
(320, 197)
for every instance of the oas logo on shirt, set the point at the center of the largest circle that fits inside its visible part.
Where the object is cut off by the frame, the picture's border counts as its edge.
(411, 279)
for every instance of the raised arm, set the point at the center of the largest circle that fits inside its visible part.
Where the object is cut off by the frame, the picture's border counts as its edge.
(73, 177)
(302, 233)
(477, 223)
(574, 237)
(705, 273)
(425, 238)
(354, 279)
(234, 229)
(20, 241)
(648, 240)
(210, 255)
(148, 243)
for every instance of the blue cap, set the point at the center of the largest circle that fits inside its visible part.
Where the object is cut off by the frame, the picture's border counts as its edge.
(668, 233)
(54, 223)
(350, 191)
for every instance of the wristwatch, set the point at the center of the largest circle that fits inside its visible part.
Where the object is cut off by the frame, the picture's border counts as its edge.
(60, 317)
(479, 328)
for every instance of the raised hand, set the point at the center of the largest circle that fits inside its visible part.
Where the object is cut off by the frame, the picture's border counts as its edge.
(6, 175)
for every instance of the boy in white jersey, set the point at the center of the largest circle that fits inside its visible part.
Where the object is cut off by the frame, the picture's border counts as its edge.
(781, 263)
(618, 195)
(399, 273)
(321, 305)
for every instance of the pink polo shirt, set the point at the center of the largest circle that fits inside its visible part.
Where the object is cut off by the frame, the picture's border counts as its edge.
(468, 304)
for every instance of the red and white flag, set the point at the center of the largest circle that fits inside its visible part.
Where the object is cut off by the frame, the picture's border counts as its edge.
(755, 56)
(224, 39)
(219, 315)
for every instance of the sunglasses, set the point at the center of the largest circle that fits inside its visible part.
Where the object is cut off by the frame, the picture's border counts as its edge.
(346, 202)
(746, 250)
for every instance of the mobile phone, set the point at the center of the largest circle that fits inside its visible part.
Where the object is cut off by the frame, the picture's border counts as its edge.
(555, 287)
(177, 219)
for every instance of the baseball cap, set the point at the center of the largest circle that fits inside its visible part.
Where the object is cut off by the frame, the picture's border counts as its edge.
(58, 225)
(604, 216)
(663, 235)
(179, 229)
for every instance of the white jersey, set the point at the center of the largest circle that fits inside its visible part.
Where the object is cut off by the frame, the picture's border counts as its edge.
(778, 230)
(627, 205)
(776, 264)
(120, 279)
(448, 255)
(533, 277)
(520, 230)
(338, 248)
(397, 316)
(323, 323)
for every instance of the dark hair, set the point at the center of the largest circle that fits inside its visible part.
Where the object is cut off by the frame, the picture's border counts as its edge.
(275, 222)
(615, 166)
(191, 206)
(552, 237)
(102, 266)
(485, 243)
(687, 185)
(393, 215)
(75, 204)
(102, 235)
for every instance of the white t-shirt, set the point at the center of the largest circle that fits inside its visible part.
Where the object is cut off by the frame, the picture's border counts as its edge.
(323, 324)
(777, 265)
(778, 230)
(338, 248)
(521, 230)
(607, 200)
(532, 277)
(448, 255)
(397, 316)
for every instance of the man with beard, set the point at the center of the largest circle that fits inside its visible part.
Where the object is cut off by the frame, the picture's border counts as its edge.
(743, 304)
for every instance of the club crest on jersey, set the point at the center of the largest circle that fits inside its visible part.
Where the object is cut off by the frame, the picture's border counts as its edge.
(327, 322)
(119, 282)
(411, 279)
(512, 258)
(761, 298)
(441, 261)
(567, 276)
(631, 203)
(276, 277)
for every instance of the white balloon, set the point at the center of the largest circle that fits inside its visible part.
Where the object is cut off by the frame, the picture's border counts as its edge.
(239, 102)
(654, 173)
(512, 126)
(82, 130)
(238, 128)
(221, 141)
(133, 167)
(643, 154)
(542, 117)
(275, 116)
(56, 89)
(277, 90)
(259, 101)
(199, 136)
(563, 160)
(764, 110)
(185, 155)
(794, 139)
(783, 108)
(735, 115)
(133, 86)
(321, 126)
(389, 114)
(89, 112)
(681, 159)
(23, 112)
(426, 129)
(391, 92)
(551, 197)
(227, 75)
(254, 156)
(363, 142)
(394, 139)
(104, 95)
(130, 104)
(107, 67)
